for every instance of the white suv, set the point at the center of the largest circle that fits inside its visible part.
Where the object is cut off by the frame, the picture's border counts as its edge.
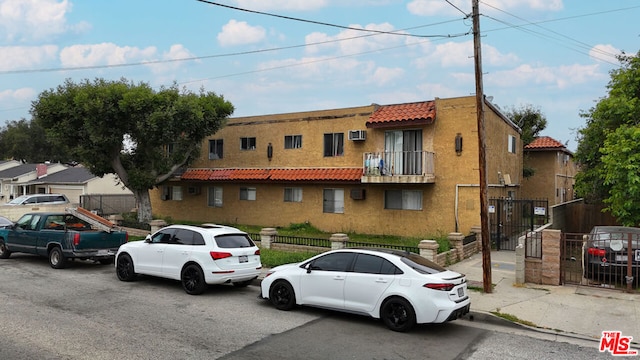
(39, 199)
(195, 255)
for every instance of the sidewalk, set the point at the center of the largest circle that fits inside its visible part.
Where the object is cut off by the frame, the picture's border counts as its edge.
(568, 310)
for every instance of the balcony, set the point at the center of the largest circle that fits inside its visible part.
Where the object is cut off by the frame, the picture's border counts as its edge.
(399, 167)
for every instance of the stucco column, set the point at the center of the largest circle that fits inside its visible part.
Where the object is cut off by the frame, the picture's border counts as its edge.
(429, 249)
(157, 225)
(551, 257)
(478, 231)
(266, 236)
(456, 238)
(338, 241)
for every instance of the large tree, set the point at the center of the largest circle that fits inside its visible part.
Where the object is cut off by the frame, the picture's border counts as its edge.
(26, 141)
(621, 107)
(141, 134)
(531, 121)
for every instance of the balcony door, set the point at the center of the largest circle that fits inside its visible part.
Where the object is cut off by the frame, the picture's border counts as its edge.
(403, 152)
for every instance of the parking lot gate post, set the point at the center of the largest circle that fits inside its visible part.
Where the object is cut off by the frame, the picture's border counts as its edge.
(267, 235)
(157, 225)
(456, 240)
(429, 249)
(339, 241)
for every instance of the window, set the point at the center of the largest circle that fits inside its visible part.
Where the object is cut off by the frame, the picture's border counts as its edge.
(293, 141)
(234, 241)
(333, 262)
(172, 193)
(371, 264)
(334, 144)
(247, 143)
(403, 199)
(247, 193)
(215, 149)
(293, 194)
(163, 236)
(511, 146)
(333, 201)
(214, 197)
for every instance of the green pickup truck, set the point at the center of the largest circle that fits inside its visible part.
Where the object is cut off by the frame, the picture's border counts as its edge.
(61, 237)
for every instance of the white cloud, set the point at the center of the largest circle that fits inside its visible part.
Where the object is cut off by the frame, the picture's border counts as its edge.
(176, 51)
(460, 54)
(560, 77)
(296, 5)
(383, 75)
(27, 20)
(358, 42)
(103, 54)
(18, 95)
(24, 57)
(458, 7)
(604, 53)
(239, 33)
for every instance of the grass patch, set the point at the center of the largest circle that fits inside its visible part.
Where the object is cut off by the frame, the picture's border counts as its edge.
(271, 258)
(514, 319)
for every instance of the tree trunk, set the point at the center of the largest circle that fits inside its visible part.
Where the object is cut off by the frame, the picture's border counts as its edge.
(144, 205)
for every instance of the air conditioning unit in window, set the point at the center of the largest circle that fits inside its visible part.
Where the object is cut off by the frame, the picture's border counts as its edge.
(357, 135)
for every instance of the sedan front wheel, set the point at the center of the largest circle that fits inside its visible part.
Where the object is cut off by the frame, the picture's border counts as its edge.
(282, 296)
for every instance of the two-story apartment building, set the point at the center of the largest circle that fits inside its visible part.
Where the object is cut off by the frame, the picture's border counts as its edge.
(554, 171)
(406, 169)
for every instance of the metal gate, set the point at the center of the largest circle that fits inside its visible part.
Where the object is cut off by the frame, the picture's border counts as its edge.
(511, 218)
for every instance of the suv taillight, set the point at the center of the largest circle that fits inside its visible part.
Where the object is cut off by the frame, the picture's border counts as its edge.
(257, 252)
(441, 287)
(217, 255)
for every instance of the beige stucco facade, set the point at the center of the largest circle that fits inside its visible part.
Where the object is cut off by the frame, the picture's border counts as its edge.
(554, 176)
(448, 195)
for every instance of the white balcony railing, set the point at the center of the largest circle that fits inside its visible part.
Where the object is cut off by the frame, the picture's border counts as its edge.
(398, 163)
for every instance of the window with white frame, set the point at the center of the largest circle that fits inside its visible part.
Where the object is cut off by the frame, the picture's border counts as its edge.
(172, 193)
(293, 194)
(511, 146)
(247, 193)
(214, 198)
(247, 143)
(333, 201)
(334, 144)
(403, 199)
(293, 141)
(215, 149)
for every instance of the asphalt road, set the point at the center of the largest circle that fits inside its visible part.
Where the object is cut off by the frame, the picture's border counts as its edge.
(85, 312)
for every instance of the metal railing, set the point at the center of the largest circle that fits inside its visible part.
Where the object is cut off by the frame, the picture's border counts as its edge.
(393, 163)
(298, 240)
(413, 249)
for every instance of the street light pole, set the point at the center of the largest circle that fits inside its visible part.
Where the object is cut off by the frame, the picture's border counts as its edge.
(482, 161)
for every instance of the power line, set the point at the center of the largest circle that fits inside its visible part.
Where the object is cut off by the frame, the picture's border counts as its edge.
(321, 23)
(194, 58)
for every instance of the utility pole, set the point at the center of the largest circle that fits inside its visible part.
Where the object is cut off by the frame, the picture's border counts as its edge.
(482, 161)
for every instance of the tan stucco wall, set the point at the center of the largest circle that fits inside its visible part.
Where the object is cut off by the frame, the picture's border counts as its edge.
(552, 176)
(368, 216)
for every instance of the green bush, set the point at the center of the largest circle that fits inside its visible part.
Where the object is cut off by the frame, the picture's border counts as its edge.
(271, 258)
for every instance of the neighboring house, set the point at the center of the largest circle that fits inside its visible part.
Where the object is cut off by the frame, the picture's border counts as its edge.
(6, 164)
(56, 178)
(554, 171)
(77, 181)
(14, 180)
(406, 169)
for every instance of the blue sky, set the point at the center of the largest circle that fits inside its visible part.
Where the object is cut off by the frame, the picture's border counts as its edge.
(552, 54)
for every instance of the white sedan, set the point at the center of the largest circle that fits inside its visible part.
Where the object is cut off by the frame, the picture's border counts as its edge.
(401, 288)
(195, 255)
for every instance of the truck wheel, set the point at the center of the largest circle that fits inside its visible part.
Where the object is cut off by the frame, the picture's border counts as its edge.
(4, 252)
(124, 268)
(57, 259)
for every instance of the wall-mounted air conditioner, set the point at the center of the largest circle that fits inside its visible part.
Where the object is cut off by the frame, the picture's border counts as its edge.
(357, 135)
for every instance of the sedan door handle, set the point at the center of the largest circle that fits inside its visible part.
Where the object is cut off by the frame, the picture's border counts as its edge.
(383, 281)
(338, 277)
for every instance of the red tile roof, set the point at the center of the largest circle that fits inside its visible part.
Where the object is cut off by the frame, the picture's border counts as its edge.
(411, 113)
(312, 174)
(544, 142)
